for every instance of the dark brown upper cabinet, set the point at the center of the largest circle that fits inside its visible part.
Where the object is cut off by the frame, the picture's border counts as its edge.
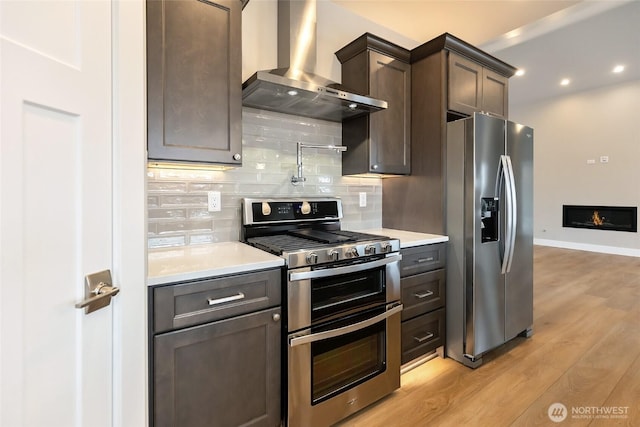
(379, 143)
(450, 79)
(194, 88)
(473, 88)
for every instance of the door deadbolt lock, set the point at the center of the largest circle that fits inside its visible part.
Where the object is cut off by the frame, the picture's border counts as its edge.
(98, 291)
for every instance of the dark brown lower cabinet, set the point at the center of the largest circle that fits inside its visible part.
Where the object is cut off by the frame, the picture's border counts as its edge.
(223, 373)
(423, 288)
(215, 351)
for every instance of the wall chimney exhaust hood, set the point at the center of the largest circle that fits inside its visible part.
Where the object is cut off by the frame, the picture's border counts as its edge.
(293, 88)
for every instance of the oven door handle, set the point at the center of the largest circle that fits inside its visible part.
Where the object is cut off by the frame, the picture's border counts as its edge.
(306, 339)
(314, 274)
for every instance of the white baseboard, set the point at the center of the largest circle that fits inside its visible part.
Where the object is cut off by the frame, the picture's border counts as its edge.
(588, 247)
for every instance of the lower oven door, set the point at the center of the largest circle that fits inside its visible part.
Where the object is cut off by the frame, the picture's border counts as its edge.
(334, 372)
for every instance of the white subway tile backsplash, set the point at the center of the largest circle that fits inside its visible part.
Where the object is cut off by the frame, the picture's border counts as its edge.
(177, 198)
(182, 200)
(155, 186)
(166, 213)
(197, 239)
(170, 227)
(158, 242)
(199, 213)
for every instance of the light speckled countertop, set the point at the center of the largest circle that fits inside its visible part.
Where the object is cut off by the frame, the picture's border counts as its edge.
(177, 264)
(409, 239)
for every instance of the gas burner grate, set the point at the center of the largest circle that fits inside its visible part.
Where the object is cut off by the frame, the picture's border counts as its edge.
(279, 243)
(359, 237)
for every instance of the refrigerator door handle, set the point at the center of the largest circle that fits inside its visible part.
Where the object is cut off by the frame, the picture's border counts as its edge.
(512, 215)
(504, 175)
(500, 179)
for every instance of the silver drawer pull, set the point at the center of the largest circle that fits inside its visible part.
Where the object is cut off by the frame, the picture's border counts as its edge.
(424, 338)
(423, 295)
(225, 299)
(421, 260)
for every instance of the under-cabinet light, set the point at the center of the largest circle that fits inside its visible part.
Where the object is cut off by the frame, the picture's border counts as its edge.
(189, 166)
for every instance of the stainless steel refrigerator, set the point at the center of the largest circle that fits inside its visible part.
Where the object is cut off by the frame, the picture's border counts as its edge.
(489, 221)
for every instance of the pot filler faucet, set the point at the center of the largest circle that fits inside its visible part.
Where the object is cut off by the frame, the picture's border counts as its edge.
(297, 179)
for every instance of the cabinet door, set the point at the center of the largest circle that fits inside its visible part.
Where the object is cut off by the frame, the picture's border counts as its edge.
(495, 93)
(465, 85)
(225, 373)
(390, 129)
(194, 92)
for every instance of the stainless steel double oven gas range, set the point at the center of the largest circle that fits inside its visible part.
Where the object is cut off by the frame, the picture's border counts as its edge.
(341, 297)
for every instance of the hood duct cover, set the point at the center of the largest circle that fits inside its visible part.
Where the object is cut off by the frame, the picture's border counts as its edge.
(293, 88)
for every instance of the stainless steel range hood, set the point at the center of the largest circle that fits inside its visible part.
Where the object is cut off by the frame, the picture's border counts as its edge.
(294, 88)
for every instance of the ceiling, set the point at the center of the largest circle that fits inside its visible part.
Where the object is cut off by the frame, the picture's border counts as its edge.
(475, 21)
(551, 40)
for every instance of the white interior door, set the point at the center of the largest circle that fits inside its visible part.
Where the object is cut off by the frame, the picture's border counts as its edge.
(55, 212)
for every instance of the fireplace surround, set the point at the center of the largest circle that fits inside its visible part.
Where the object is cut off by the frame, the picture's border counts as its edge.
(613, 218)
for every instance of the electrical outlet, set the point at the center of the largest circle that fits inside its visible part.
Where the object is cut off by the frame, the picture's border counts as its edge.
(214, 201)
(363, 199)
(604, 159)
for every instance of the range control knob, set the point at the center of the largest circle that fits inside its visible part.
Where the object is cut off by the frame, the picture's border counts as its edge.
(385, 247)
(312, 258)
(351, 253)
(333, 255)
(370, 250)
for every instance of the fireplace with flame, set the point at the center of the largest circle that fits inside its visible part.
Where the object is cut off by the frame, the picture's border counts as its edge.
(616, 218)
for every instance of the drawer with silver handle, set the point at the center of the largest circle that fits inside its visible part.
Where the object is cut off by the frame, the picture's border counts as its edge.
(421, 259)
(422, 334)
(187, 304)
(422, 293)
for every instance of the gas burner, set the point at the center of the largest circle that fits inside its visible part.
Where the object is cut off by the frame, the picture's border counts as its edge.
(307, 232)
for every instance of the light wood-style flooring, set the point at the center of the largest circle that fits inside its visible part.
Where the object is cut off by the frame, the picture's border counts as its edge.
(584, 353)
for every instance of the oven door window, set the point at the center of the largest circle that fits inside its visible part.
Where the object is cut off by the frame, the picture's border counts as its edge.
(337, 295)
(343, 362)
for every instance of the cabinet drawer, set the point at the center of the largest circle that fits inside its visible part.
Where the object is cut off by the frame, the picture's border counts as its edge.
(182, 305)
(422, 293)
(422, 258)
(422, 334)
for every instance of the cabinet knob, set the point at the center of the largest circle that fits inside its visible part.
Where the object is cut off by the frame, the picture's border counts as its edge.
(276, 317)
(374, 167)
(237, 156)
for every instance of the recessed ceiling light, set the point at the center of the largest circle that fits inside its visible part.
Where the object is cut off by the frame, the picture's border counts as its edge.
(520, 72)
(565, 82)
(618, 68)
(513, 34)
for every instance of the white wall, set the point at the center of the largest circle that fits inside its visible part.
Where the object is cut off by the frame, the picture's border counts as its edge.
(570, 130)
(336, 27)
